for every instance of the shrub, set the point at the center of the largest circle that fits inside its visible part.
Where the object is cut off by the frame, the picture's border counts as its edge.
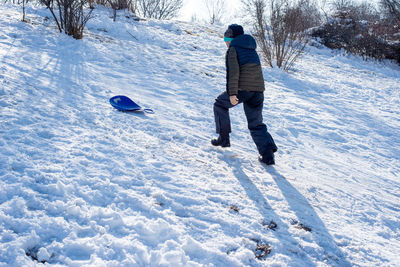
(391, 9)
(364, 38)
(72, 18)
(157, 9)
(281, 35)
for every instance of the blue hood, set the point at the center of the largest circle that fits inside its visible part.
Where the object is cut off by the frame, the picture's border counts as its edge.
(245, 47)
(244, 41)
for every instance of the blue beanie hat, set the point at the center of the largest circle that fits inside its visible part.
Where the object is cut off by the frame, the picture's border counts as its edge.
(233, 31)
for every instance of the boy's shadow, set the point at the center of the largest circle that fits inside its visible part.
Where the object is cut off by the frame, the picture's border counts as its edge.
(308, 217)
(303, 211)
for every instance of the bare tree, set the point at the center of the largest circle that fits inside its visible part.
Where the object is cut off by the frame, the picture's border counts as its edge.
(392, 9)
(356, 10)
(310, 12)
(323, 6)
(215, 10)
(157, 9)
(281, 33)
(24, 2)
(341, 4)
(23, 11)
(119, 5)
(257, 11)
(71, 15)
(194, 19)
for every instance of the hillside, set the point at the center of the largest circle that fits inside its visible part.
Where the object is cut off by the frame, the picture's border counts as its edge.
(86, 185)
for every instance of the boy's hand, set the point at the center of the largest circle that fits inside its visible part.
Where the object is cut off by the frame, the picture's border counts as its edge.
(234, 100)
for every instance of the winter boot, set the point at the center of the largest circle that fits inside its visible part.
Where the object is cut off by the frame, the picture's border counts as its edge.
(223, 140)
(268, 158)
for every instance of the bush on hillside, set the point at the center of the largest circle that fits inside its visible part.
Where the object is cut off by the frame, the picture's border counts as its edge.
(365, 38)
(358, 10)
(391, 10)
(157, 9)
(71, 15)
(116, 5)
(279, 28)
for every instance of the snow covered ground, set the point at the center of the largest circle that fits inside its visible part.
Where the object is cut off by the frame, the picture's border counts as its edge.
(84, 184)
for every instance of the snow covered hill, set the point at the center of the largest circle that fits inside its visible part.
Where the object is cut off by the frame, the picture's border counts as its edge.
(83, 184)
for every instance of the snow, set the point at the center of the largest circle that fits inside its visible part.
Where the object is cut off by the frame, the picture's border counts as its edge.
(86, 185)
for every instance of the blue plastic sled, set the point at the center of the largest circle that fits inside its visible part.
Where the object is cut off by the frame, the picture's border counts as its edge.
(124, 103)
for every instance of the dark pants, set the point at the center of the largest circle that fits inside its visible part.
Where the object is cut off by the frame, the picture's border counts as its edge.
(253, 105)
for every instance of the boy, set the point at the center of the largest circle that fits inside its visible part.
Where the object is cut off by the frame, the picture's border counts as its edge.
(244, 84)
